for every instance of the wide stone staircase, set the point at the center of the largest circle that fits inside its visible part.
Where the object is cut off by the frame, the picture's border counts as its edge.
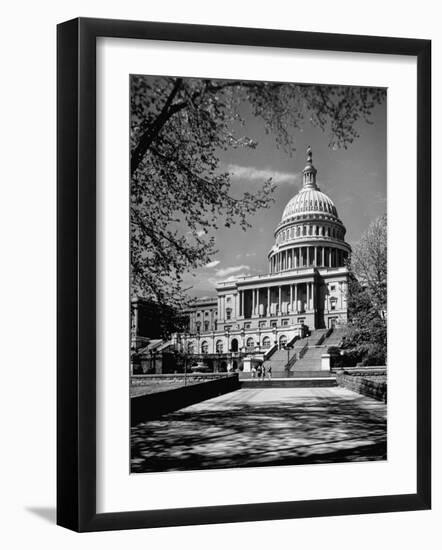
(336, 337)
(311, 360)
(280, 358)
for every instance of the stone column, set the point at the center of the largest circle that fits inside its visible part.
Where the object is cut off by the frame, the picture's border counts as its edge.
(315, 260)
(330, 257)
(268, 302)
(253, 302)
(291, 298)
(313, 295)
(296, 299)
(279, 300)
(323, 256)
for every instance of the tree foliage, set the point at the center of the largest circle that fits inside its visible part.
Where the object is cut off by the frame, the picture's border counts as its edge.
(369, 263)
(367, 296)
(179, 191)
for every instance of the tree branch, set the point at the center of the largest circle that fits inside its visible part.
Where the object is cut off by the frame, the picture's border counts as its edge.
(151, 133)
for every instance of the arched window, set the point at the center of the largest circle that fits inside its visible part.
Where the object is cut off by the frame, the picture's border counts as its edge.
(219, 346)
(206, 326)
(266, 342)
(250, 344)
(190, 348)
(282, 341)
(204, 347)
(304, 230)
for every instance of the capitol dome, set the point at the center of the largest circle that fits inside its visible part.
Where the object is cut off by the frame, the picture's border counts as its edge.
(309, 201)
(310, 233)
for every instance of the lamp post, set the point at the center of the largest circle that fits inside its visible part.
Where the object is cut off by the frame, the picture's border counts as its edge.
(185, 363)
(229, 354)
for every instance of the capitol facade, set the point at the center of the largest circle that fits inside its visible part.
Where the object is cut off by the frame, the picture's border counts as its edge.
(304, 289)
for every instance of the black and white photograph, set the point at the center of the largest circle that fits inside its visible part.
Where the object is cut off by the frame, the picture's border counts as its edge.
(258, 273)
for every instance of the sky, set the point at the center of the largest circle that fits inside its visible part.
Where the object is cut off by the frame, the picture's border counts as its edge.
(355, 179)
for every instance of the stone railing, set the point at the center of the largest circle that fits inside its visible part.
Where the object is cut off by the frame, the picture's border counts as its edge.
(270, 351)
(303, 351)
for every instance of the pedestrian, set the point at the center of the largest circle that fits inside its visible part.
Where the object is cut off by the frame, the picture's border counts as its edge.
(269, 373)
(259, 371)
(263, 372)
(253, 372)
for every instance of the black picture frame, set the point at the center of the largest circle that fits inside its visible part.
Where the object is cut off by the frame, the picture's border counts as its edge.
(77, 287)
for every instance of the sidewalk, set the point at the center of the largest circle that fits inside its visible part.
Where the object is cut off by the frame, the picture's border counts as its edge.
(262, 427)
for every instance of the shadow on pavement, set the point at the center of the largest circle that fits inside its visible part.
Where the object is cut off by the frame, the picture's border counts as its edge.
(312, 431)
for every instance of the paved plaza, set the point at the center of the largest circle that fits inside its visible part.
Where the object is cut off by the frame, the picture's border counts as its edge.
(263, 427)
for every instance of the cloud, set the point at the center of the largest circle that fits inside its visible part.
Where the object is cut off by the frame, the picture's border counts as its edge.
(212, 264)
(230, 270)
(255, 174)
(227, 274)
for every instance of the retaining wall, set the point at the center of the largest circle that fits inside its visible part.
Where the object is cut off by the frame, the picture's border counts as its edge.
(154, 405)
(363, 385)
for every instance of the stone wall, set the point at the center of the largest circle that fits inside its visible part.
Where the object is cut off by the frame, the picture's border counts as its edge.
(154, 405)
(370, 385)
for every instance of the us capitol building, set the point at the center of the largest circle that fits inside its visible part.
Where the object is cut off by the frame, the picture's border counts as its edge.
(305, 288)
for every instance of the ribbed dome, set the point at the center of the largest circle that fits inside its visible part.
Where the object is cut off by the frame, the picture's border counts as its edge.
(309, 200)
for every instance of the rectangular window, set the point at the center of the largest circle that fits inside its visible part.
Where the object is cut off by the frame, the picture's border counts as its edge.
(301, 320)
(285, 322)
(274, 324)
(332, 288)
(247, 325)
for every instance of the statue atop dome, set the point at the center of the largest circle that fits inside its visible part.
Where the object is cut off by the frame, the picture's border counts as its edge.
(309, 172)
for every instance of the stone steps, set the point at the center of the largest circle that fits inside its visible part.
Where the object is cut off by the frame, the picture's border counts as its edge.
(296, 382)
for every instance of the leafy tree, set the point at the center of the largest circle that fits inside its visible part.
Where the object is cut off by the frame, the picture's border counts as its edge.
(369, 263)
(179, 192)
(367, 296)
